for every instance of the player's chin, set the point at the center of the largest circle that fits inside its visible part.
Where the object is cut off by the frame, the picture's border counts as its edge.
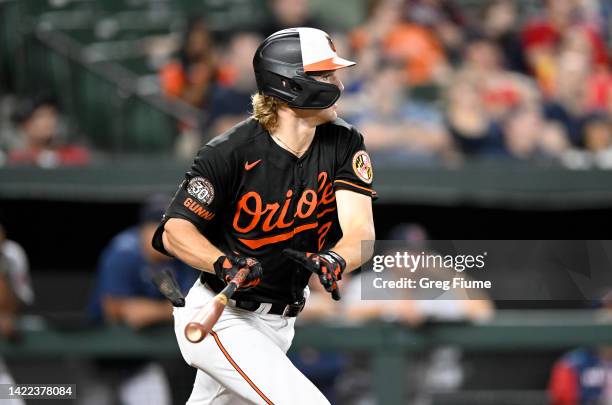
(329, 114)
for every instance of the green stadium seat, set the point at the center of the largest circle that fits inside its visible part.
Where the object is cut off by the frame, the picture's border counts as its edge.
(9, 39)
(147, 128)
(139, 66)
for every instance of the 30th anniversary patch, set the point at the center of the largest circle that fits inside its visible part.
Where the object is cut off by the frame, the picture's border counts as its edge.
(362, 165)
(201, 189)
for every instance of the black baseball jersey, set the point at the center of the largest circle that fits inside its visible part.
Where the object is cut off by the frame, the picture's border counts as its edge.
(248, 195)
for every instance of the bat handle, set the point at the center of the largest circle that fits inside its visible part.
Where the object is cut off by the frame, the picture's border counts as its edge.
(235, 283)
(195, 331)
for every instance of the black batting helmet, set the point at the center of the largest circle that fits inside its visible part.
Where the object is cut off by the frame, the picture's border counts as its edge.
(282, 61)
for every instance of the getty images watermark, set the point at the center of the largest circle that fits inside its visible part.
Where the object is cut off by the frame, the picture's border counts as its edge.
(487, 269)
(409, 262)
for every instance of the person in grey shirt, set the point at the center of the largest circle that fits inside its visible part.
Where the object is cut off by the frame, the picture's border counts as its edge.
(15, 291)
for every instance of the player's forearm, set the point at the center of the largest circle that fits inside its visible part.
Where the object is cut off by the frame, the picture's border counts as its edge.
(136, 312)
(8, 301)
(351, 248)
(183, 240)
(150, 311)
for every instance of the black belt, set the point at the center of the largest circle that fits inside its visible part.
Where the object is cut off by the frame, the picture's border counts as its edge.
(286, 310)
(279, 308)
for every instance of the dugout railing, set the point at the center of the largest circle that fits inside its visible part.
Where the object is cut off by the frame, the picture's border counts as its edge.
(388, 345)
(477, 184)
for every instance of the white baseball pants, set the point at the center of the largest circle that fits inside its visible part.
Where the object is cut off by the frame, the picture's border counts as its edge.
(243, 361)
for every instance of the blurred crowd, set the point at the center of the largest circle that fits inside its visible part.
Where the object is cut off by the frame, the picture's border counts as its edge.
(436, 81)
(37, 136)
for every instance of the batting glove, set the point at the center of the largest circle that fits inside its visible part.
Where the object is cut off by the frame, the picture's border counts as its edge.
(327, 265)
(226, 268)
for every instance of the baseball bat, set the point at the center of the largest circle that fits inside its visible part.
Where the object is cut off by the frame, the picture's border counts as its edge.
(203, 322)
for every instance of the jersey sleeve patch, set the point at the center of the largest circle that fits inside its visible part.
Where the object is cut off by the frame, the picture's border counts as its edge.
(201, 189)
(362, 166)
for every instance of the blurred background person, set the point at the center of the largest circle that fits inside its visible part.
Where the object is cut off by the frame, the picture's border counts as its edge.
(527, 135)
(501, 24)
(323, 367)
(561, 26)
(397, 127)
(413, 307)
(474, 132)
(15, 292)
(231, 96)
(125, 294)
(386, 31)
(583, 376)
(597, 138)
(39, 140)
(500, 89)
(190, 77)
(438, 371)
(445, 19)
(288, 14)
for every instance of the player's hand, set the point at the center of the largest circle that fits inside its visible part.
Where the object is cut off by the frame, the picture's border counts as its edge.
(328, 265)
(226, 268)
(7, 326)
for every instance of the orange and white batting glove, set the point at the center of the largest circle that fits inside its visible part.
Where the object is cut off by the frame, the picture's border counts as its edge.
(226, 268)
(327, 265)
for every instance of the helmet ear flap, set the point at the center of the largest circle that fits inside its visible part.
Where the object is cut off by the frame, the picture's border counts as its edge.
(295, 87)
(314, 94)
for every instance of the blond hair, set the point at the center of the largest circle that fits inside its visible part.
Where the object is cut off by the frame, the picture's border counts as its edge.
(265, 110)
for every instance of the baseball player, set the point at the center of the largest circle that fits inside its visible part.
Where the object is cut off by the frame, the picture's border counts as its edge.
(286, 193)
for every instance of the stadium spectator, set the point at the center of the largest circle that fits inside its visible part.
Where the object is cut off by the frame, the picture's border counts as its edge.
(125, 293)
(231, 96)
(441, 370)
(597, 133)
(414, 45)
(576, 88)
(15, 292)
(599, 91)
(192, 75)
(472, 129)
(542, 36)
(500, 90)
(527, 135)
(287, 14)
(500, 22)
(445, 19)
(407, 306)
(39, 137)
(394, 124)
(580, 377)
(323, 368)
